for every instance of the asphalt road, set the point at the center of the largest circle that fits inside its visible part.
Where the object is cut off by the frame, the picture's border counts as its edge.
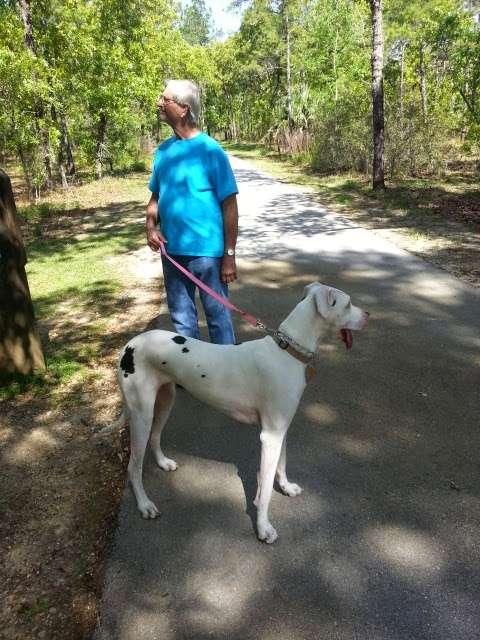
(383, 544)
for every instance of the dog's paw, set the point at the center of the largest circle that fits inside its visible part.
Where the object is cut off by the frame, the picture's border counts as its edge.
(148, 510)
(291, 489)
(267, 533)
(167, 464)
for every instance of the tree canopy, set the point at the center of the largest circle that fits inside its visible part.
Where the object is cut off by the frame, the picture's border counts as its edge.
(79, 78)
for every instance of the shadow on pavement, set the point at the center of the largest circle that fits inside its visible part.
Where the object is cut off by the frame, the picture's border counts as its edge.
(383, 543)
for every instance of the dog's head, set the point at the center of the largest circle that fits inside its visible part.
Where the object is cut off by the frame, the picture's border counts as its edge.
(336, 308)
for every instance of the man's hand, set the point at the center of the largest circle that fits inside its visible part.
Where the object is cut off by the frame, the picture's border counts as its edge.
(228, 271)
(154, 237)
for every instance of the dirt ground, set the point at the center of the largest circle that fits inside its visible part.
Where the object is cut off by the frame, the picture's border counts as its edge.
(61, 484)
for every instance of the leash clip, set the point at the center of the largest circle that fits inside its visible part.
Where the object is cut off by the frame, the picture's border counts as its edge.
(283, 344)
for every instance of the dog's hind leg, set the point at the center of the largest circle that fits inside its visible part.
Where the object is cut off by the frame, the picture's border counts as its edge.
(163, 406)
(140, 419)
(288, 488)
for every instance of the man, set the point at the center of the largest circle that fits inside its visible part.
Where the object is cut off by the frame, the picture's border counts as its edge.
(193, 209)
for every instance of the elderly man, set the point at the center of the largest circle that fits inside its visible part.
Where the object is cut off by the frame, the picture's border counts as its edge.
(193, 209)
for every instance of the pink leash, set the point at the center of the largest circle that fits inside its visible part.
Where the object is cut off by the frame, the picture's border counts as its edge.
(226, 303)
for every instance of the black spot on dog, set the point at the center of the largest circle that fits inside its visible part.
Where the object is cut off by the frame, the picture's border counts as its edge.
(127, 364)
(204, 375)
(179, 340)
(185, 350)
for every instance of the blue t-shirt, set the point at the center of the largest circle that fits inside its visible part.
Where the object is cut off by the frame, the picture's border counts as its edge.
(192, 178)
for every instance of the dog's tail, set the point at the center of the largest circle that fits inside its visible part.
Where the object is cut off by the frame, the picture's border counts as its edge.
(121, 422)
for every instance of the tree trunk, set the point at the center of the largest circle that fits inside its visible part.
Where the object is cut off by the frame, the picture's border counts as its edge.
(378, 178)
(67, 145)
(26, 174)
(335, 97)
(61, 152)
(38, 106)
(100, 146)
(289, 77)
(27, 26)
(402, 82)
(20, 347)
(61, 169)
(423, 84)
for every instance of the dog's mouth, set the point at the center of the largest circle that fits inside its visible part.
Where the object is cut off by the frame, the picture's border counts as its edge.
(347, 337)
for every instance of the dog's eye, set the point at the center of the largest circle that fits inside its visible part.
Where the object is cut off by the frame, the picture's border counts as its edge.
(334, 303)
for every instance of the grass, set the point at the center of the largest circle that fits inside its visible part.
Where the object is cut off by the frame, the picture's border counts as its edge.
(72, 240)
(74, 251)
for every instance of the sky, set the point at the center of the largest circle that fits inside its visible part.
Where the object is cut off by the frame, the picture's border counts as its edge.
(227, 20)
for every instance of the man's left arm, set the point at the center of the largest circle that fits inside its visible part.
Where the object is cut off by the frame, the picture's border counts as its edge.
(230, 232)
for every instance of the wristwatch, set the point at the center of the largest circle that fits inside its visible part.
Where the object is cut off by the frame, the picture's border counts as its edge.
(230, 252)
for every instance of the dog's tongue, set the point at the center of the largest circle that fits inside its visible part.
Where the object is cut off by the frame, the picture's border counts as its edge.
(347, 337)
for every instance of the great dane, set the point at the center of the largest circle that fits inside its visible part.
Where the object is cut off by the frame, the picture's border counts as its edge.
(260, 381)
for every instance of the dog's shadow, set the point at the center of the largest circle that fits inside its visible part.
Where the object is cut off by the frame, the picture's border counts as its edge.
(217, 438)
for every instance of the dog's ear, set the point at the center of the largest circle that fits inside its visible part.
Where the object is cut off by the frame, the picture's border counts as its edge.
(324, 299)
(308, 289)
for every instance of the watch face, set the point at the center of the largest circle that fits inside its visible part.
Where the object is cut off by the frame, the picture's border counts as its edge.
(230, 252)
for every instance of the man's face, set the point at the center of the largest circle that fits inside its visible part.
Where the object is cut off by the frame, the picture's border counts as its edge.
(170, 111)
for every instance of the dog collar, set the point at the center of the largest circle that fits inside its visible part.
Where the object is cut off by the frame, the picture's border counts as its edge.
(284, 343)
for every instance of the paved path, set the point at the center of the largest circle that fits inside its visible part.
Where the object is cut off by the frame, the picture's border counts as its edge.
(384, 542)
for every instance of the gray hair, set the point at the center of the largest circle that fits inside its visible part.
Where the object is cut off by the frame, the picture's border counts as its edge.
(186, 92)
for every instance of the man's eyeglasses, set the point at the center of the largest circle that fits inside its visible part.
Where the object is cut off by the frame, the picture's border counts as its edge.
(166, 100)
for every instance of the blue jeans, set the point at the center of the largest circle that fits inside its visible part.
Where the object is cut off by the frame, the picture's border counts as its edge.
(181, 298)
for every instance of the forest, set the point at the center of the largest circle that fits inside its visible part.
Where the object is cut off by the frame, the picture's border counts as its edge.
(79, 81)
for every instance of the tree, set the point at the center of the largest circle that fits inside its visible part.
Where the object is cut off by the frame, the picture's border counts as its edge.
(39, 105)
(196, 23)
(378, 179)
(20, 347)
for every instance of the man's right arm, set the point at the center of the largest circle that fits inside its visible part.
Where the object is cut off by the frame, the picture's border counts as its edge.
(154, 237)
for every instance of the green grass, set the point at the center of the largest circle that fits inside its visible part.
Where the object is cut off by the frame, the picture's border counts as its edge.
(75, 242)
(61, 368)
(35, 212)
(79, 272)
(71, 244)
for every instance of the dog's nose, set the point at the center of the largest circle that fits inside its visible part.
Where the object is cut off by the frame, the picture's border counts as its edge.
(367, 313)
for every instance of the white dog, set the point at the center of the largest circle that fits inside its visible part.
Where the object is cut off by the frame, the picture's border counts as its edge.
(260, 381)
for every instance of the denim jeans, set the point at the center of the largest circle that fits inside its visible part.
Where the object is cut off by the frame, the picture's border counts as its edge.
(181, 298)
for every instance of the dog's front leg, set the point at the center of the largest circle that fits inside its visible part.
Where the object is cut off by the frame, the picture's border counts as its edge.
(271, 448)
(288, 488)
